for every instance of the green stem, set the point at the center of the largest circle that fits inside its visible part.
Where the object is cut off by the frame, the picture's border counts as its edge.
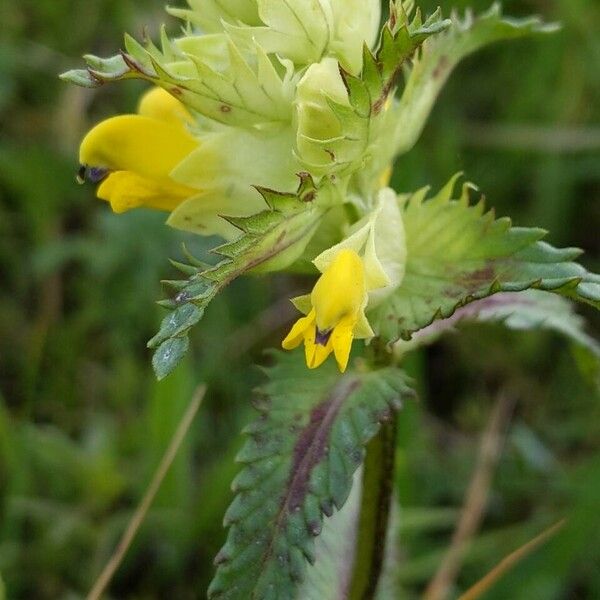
(377, 487)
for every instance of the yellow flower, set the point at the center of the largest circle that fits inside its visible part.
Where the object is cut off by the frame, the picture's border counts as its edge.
(336, 315)
(132, 156)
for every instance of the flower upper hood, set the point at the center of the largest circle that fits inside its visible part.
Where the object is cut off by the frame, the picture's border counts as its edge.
(133, 155)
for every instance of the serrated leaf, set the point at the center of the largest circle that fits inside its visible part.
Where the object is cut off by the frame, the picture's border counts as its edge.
(531, 309)
(457, 254)
(179, 321)
(269, 240)
(330, 575)
(299, 461)
(399, 41)
(335, 130)
(440, 55)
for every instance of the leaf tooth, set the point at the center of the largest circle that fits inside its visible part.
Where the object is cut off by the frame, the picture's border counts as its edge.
(297, 564)
(271, 197)
(327, 506)
(223, 557)
(184, 268)
(200, 265)
(135, 66)
(247, 478)
(340, 477)
(268, 447)
(175, 284)
(312, 514)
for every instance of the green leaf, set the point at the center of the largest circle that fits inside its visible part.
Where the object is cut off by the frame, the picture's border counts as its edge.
(336, 126)
(330, 575)
(363, 121)
(439, 57)
(296, 30)
(400, 38)
(531, 309)
(299, 462)
(270, 240)
(168, 355)
(457, 254)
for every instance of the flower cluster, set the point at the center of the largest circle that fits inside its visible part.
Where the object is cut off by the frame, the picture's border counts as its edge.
(252, 95)
(257, 94)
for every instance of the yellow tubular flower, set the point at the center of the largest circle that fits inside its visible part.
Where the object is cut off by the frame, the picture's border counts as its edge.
(337, 302)
(133, 155)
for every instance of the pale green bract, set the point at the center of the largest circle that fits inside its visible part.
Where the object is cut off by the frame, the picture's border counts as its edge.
(277, 88)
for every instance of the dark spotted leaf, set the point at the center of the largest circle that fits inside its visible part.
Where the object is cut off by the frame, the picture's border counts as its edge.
(299, 462)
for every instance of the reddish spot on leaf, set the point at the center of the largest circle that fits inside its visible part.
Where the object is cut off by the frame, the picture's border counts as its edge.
(313, 442)
(476, 279)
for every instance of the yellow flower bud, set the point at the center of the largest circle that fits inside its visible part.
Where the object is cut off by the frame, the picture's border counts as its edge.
(340, 291)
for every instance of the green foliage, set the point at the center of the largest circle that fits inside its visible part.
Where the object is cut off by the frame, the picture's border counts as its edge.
(457, 253)
(298, 466)
(269, 240)
(363, 119)
(530, 309)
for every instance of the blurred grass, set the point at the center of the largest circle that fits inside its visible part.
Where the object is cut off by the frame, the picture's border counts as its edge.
(83, 423)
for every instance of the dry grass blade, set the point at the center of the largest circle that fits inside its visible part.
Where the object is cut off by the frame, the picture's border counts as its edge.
(137, 519)
(507, 563)
(475, 499)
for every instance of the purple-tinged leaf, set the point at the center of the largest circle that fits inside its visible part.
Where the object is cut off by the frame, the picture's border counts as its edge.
(299, 463)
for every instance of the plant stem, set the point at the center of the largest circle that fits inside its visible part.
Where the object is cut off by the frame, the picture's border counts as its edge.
(377, 487)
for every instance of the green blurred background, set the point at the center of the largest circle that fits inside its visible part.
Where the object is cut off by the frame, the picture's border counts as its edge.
(83, 423)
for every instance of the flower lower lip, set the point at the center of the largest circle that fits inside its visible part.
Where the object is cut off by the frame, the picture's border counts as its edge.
(322, 337)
